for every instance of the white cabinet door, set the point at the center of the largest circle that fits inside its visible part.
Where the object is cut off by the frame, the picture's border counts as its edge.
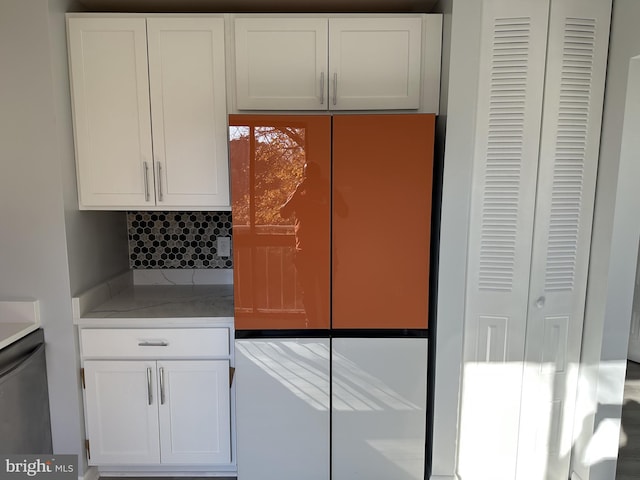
(188, 109)
(379, 398)
(121, 412)
(375, 63)
(194, 411)
(281, 63)
(119, 91)
(328, 63)
(110, 90)
(282, 409)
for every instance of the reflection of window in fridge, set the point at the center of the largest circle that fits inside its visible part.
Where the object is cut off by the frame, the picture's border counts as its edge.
(281, 199)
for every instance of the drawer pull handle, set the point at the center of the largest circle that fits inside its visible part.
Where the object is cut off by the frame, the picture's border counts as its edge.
(161, 343)
(149, 387)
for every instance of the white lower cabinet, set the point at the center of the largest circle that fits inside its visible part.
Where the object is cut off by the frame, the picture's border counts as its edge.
(152, 400)
(121, 412)
(146, 412)
(193, 411)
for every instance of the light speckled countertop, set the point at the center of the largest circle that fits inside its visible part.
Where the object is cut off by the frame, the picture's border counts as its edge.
(146, 301)
(120, 302)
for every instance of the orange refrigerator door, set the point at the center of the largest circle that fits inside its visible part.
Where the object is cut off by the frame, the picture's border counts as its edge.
(382, 176)
(281, 200)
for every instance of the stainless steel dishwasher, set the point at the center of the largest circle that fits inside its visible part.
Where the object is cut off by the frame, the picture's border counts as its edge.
(25, 422)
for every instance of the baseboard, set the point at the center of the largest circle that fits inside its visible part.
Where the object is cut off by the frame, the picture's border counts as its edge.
(90, 474)
(444, 477)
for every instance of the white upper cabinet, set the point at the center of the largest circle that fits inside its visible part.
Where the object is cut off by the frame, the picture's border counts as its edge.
(374, 63)
(150, 128)
(343, 63)
(110, 94)
(281, 63)
(188, 111)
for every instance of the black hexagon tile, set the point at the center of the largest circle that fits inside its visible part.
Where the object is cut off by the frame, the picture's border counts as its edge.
(166, 240)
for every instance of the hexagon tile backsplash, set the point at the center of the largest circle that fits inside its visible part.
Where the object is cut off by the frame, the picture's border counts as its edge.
(166, 240)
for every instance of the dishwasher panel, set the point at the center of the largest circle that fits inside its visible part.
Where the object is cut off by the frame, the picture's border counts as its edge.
(25, 422)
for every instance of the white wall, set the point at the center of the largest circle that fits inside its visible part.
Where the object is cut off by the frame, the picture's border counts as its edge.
(35, 166)
(96, 241)
(33, 261)
(605, 332)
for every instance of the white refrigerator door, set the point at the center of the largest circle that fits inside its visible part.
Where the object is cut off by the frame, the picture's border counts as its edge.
(282, 408)
(379, 399)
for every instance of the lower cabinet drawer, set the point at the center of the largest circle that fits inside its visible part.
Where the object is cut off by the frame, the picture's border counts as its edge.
(154, 342)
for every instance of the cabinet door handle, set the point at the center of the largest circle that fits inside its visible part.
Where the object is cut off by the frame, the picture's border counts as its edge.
(146, 181)
(160, 343)
(161, 386)
(335, 88)
(149, 387)
(159, 181)
(321, 88)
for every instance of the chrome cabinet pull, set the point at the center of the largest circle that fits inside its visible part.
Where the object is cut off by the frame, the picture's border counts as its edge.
(146, 181)
(335, 88)
(159, 181)
(149, 387)
(321, 88)
(146, 343)
(161, 386)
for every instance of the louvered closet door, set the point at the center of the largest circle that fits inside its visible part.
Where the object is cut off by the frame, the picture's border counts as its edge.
(576, 64)
(511, 79)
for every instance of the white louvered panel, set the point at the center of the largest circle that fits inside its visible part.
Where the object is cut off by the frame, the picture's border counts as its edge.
(509, 110)
(511, 60)
(504, 149)
(569, 145)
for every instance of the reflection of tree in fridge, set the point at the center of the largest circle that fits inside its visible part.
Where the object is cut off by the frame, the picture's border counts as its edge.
(279, 160)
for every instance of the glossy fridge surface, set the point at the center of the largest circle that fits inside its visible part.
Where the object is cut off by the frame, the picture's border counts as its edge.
(382, 180)
(281, 197)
